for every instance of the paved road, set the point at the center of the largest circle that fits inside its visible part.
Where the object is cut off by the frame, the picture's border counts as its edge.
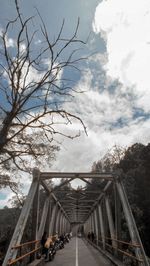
(78, 253)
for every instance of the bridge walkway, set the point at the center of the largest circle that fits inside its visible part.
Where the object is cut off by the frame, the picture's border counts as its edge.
(78, 253)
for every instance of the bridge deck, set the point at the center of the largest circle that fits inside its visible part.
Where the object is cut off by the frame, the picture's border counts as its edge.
(78, 253)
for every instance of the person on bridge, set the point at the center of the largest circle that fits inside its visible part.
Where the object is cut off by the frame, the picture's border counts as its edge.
(89, 235)
(43, 241)
(92, 236)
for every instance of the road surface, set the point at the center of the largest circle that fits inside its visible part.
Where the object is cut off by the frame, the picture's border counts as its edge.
(78, 253)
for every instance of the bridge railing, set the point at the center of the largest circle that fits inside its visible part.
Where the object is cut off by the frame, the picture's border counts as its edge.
(106, 222)
(51, 217)
(24, 248)
(124, 253)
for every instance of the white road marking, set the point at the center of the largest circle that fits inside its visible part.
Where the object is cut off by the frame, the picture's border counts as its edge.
(77, 258)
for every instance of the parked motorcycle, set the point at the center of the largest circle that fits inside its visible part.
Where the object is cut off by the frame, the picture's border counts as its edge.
(51, 252)
(59, 244)
(66, 239)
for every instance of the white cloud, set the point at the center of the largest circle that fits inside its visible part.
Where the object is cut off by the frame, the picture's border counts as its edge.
(126, 25)
(5, 196)
(79, 154)
(100, 113)
(9, 41)
(38, 41)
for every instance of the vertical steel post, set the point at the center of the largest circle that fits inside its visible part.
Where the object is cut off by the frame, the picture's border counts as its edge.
(49, 213)
(134, 234)
(91, 222)
(66, 226)
(55, 219)
(96, 227)
(99, 238)
(60, 224)
(110, 221)
(101, 225)
(63, 224)
(43, 218)
(35, 217)
(52, 222)
(117, 220)
(86, 228)
(93, 225)
(58, 221)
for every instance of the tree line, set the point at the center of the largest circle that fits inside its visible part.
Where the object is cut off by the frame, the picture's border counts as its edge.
(134, 163)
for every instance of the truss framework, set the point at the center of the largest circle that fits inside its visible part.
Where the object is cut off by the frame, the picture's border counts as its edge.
(64, 208)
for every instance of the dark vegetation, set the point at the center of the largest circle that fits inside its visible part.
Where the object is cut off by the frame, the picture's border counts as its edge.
(8, 220)
(135, 166)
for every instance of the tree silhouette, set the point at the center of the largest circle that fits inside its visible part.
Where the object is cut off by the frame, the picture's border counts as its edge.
(33, 89)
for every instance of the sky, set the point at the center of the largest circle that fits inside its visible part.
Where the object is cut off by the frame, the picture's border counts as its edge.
(115, 78)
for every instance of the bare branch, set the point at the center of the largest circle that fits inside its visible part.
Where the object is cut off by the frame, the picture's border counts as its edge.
(33, 84)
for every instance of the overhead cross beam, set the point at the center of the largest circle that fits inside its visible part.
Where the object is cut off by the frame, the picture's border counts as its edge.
(49, 175)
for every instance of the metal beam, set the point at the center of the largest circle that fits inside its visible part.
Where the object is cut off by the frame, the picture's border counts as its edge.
(81, 201)
(58, 221)
(43, 183)
(35, 215)
(109, 183)
(134, 234)
(117, 220)
(43, 218)
(53, 218)
(82, 192)
(48, 175)
(19, 230)
(100, 213)
(110, 221)
(60, 224)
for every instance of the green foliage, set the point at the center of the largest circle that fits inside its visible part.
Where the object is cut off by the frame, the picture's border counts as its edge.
(135, 165)
(8, 220)
(136, 168)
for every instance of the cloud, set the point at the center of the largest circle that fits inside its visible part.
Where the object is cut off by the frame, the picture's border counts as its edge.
(80, 153)
(115, 102)
(10, 43)
(5, 196)
(109, 117)
(126, 27)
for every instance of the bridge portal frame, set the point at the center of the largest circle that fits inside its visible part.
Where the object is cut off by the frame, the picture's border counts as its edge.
(96, 215)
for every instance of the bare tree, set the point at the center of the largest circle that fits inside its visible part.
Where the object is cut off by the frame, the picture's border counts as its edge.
(110, 160)
(33, 89)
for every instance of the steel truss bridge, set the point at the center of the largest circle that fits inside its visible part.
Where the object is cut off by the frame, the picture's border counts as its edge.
(102, 210)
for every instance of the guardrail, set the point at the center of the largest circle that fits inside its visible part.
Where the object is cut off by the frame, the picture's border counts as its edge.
(134, 245)
(19, 247)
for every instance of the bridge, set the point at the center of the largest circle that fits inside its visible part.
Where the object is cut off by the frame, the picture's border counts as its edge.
(103, 211)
